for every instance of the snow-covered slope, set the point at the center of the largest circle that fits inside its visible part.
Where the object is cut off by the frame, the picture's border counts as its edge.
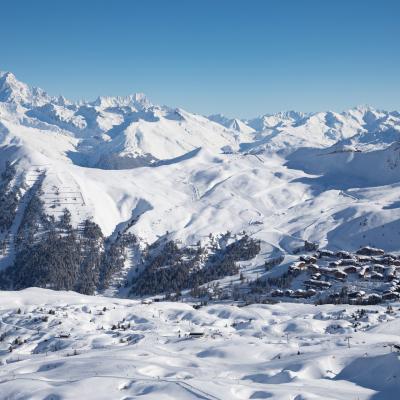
(282, 178)
(232, 123)
(61, 345)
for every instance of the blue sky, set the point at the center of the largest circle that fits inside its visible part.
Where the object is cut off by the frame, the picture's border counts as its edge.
(241, 58)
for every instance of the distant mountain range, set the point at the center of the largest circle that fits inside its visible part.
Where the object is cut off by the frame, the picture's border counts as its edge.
(161, 173)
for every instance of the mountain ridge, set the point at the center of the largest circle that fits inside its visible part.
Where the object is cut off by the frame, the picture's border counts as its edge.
(325, 177)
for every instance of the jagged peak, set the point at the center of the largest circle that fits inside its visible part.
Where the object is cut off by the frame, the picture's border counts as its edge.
(62, 101)
(135, 99)
(363, 108)
(14, 91)
(217, 116)
(280, 118)
(287, 115)
(7, 76)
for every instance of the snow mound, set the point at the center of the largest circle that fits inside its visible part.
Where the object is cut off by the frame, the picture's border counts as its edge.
(63, 345)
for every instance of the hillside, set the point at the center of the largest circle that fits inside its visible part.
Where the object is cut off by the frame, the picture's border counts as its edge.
(64, 345)
(149, 175)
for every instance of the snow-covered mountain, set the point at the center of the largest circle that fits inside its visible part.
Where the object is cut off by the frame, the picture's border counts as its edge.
(14, 91)
(161, 173)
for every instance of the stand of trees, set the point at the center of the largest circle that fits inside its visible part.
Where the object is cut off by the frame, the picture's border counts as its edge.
(114, 258)
(8, 198)
(174, 269)
(51, 253)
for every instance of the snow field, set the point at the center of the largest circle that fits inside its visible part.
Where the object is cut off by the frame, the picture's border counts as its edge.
(73, 346)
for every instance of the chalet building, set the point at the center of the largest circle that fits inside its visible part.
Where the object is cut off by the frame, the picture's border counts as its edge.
(308, 259)
(370, 251)
(196, 335)
(334, 264)
(390, 273)
(326, 253)
(318, 284)
(344, 255)
(350, 261)
(376, 276)
(379, 268)
(356, 294)
(374, 298)
(313, 268)
(298, 266)
(300, 293)
(390, 296)
(316, 276)
(364, 259)
(351, 269)
(340, 275)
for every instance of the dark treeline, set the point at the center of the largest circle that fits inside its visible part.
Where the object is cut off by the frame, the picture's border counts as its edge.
(114, 257)
(8, 197)
(173, 269)
(51, 253)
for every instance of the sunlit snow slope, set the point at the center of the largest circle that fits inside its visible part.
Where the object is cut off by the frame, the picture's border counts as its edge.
(69, 346)
(328, 177)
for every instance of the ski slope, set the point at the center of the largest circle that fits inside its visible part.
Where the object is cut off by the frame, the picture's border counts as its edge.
(65, 347)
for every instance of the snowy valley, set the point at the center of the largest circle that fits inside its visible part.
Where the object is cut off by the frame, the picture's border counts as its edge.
(131, 190)
(191, 239)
